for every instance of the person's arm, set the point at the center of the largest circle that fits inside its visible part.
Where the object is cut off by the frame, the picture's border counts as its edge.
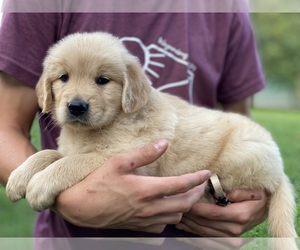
(242, 107)
(124, 200)
(18, 106)
(248, 208)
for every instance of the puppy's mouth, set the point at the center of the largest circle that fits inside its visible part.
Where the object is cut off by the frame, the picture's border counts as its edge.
(77, 121)
(77, 113)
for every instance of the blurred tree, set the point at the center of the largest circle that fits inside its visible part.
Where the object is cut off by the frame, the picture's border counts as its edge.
(278, 43)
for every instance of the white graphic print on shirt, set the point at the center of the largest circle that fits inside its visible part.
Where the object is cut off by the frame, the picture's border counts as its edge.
(162, 50)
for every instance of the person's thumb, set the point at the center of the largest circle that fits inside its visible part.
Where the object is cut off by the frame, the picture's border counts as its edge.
(147, 154)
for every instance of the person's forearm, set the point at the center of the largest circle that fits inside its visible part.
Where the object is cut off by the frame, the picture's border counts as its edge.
(18, 107)
(15, 148)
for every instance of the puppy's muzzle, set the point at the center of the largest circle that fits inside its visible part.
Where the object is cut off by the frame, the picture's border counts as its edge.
(78, 107)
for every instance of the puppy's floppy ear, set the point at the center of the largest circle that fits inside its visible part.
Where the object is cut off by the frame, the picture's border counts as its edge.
(44, 93)
(136, 87)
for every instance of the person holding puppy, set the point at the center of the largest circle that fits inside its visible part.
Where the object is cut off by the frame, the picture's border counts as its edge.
(199, 57)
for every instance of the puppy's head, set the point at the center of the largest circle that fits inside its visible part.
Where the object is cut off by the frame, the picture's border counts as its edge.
(90, 78)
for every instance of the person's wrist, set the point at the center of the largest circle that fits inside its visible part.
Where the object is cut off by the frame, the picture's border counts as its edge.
(65, 206)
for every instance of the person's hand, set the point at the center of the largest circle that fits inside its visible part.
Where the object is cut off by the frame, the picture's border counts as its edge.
(248, 209)
(114, 197)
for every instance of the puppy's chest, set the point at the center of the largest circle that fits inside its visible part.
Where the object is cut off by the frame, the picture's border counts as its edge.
(81, 143)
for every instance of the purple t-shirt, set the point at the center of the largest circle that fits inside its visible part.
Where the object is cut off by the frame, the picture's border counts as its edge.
(204, 58)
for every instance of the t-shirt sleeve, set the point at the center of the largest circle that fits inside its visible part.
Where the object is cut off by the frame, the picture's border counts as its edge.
(24, 41)
(242, 74)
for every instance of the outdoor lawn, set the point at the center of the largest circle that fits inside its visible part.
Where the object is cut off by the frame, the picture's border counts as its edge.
(16, 219)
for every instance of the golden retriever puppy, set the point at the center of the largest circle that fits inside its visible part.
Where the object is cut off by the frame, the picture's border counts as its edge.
(97, 92)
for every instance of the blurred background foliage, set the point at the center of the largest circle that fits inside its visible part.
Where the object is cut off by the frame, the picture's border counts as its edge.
(278, 43)
(277, 36)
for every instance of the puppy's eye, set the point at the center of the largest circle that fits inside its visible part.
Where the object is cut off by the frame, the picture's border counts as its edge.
(102, 80)
(64, 78)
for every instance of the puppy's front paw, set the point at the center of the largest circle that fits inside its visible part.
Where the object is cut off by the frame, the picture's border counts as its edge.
(16, 185)
(40, 192)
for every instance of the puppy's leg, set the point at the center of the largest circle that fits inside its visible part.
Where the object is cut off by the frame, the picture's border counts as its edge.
(44, 186)
(19, 178)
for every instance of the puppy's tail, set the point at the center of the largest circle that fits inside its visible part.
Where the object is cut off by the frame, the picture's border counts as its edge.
(282, 214)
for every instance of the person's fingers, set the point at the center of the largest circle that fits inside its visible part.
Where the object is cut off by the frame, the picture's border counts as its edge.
(240, 211)
(232, 220)
(129, 161)
(208, 228)
(173, 185)
(180, 184)
(246, 195)
(189, 225)
(181, 203)
(213, 212)
(237, 212)
(173, 194)
(168, 209)
(177, 202)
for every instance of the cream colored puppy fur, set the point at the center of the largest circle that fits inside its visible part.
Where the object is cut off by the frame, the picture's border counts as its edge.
(127, 113)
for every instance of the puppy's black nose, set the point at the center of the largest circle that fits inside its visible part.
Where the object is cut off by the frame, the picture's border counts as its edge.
(77, 107)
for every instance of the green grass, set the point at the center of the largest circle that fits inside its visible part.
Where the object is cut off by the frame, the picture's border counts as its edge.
(17, 219)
